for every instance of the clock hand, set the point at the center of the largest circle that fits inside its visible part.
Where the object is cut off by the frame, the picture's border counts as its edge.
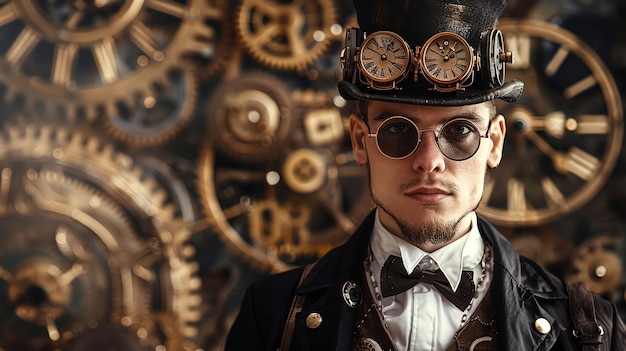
(540, 143)
(559, 159)
(437, 52)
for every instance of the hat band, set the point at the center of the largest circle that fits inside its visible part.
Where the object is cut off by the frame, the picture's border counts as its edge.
(383, 60)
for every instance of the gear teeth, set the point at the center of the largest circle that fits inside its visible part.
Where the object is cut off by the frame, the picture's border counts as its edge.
(267, 90)
(276, 56)
(102, 98)
(101, 164)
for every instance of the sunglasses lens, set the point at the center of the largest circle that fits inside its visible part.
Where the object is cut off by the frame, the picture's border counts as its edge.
(397, 137)
(459, 140)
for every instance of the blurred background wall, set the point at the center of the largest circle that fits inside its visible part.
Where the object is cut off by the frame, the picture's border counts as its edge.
(157, 156)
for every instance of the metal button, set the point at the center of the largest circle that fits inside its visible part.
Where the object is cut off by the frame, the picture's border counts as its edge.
(542, 325)
(313, 320)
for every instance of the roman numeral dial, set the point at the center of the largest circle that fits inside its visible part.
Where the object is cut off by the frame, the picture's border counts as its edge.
(446, 59)
(385, 58)
(564, 134)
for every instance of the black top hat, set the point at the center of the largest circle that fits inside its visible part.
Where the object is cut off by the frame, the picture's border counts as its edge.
(427, 52)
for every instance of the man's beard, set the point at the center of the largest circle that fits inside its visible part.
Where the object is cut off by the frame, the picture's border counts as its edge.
(435, 232)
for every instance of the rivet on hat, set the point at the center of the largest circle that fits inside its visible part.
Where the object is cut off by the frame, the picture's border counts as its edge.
(542, 325)
(313, 320)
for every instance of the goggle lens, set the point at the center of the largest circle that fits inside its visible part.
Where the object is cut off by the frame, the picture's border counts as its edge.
(398, 137)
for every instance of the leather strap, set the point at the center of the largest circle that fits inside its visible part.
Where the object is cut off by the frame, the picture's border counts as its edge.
(296, 307)
(586, 331)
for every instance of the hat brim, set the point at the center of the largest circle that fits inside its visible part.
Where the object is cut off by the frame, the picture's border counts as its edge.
(509, 92)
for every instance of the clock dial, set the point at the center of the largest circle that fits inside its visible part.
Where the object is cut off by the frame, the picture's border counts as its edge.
(446, 59)
(384, 57)
(564, 134)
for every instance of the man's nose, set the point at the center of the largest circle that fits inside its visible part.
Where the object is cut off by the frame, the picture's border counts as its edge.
(428, 158)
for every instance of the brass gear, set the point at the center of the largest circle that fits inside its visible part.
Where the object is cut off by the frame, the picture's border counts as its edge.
(106, 201)
(250, 117)
(103, 55)
(220, 39)
(596, 264)
(157, 118)
(286, 35)
(304, 171)
(276, 224)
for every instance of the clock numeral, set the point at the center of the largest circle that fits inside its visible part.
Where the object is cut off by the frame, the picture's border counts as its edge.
(590, 124)
(581, 164)
(520, 46)
(396, 65)
(516, 198)
(552, 194)
(580, 86)
(557, 60)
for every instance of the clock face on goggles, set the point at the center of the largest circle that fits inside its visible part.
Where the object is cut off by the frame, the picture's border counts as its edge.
(446, 58)
(384, 57)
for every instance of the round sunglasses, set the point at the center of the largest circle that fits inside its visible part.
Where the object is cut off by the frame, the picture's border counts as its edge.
(398, 137)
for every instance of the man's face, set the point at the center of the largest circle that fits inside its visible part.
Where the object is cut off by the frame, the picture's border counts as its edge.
(426, 197)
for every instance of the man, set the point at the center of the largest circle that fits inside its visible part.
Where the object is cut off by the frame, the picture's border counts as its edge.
(423, 271)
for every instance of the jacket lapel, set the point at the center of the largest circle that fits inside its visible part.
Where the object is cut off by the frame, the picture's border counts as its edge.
(324, 289)
(524, 302)
(526, 320)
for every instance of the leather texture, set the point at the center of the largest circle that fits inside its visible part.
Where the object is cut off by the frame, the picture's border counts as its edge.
(523, 293)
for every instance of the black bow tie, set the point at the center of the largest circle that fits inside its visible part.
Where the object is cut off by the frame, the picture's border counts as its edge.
(394, 279)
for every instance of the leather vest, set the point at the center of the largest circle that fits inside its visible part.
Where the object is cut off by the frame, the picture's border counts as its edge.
(479, 333)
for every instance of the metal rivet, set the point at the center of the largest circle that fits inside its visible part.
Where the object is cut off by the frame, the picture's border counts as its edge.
(542, 325)
(313, 320)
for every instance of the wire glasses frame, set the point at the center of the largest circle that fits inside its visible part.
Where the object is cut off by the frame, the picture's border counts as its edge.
(398, 137)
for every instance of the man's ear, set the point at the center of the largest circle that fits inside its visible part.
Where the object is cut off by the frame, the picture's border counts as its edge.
(358, 133)
(498, 131)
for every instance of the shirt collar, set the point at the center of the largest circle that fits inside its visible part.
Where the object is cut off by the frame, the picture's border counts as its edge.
(463, 253)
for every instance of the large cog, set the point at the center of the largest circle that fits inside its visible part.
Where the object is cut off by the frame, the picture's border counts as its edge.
(298, 204)
(102, 54)
(221, 47)
(98, 213)
(250, 117)
(159, 117)
(286, 34)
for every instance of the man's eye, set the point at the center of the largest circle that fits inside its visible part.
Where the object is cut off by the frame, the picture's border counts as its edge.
(459, 129)
(398, 128)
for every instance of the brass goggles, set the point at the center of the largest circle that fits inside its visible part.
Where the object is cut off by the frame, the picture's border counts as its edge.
(398, 137)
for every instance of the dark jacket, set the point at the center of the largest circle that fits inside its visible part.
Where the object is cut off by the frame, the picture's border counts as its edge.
(523, 293)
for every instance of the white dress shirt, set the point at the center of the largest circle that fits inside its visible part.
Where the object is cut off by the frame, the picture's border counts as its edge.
(421, 319)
